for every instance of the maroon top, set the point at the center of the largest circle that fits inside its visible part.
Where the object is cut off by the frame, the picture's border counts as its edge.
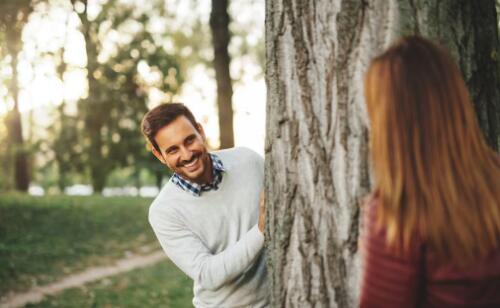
(416, 279)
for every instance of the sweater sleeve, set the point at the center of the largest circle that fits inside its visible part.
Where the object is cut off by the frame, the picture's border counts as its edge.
(390, 279)
(189, 253)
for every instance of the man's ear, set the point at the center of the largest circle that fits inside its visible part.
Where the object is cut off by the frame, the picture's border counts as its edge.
(159, 156)
(201, 131)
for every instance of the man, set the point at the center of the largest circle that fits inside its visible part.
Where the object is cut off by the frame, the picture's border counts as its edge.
(207, 216)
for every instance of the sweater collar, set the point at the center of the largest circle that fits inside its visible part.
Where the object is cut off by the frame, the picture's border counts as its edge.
(196, 189)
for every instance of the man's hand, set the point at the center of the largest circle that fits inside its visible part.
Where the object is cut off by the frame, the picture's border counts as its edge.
(262, 212)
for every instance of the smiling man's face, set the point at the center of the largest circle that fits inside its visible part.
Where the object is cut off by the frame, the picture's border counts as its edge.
(184, 151)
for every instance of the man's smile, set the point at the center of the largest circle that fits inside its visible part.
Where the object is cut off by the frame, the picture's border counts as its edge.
(190, 163)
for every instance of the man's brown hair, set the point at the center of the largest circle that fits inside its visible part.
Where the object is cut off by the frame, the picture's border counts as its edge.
(162, 115)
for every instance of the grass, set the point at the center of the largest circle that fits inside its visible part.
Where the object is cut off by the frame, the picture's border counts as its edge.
(161, 285)
(44, 238)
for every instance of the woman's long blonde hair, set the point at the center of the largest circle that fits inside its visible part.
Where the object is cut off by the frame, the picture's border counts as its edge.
(435, 176)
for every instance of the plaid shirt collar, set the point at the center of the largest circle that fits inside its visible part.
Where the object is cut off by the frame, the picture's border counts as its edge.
(197, 189)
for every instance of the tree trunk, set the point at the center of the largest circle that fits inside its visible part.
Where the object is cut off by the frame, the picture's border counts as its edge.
(59, 146)
(21, 172)
(469, 29)
(14, 124)
(219, 24)
(316, 148)
(58, 153)
(92, 109)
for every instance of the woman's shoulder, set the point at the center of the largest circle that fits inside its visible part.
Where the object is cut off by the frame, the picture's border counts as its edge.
(375, 231)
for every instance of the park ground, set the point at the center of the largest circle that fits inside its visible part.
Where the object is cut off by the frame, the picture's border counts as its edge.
(44, 240)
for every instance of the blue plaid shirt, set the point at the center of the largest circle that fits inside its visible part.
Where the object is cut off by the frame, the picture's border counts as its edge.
(196, 189)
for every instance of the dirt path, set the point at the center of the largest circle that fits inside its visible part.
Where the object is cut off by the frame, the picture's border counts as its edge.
(35, 295)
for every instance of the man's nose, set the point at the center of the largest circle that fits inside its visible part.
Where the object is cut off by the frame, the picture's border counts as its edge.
(185, 154)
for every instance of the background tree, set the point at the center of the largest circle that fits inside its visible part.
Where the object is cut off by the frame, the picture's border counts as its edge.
(91, 109)
(65, 132)
(316, 147)
(13, 16)
(219, 25)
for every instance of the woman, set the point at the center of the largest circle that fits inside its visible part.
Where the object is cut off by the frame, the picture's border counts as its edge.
(432, 236)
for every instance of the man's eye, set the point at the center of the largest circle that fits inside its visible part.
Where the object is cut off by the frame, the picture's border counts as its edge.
(190, 140)
(171, 151)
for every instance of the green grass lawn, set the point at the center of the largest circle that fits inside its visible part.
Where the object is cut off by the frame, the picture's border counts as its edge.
(44, 238)
(161, 285)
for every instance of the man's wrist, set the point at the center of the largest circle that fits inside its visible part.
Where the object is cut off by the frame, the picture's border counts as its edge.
(261, 226)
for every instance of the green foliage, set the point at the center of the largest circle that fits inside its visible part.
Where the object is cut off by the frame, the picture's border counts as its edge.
(42, 239)
(161, 285)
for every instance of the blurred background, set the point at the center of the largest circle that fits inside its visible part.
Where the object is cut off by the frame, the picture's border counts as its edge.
(76, 77)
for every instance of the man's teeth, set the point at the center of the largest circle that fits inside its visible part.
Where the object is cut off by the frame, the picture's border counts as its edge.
(191, 163)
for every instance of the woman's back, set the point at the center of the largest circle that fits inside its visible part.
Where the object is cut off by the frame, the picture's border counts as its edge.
(433, 228)
(417, 278)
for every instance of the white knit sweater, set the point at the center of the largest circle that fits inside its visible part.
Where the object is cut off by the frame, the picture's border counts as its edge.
(214, 238)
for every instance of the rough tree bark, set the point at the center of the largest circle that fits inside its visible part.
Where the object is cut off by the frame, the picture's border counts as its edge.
(219, 25)
(316, 148)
